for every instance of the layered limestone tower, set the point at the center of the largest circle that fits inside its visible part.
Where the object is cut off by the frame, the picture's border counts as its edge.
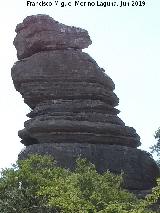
(73, 104)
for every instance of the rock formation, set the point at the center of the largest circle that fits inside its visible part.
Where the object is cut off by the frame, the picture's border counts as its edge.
(73, 104)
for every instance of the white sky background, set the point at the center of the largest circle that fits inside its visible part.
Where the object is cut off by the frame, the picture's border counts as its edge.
(125, 42)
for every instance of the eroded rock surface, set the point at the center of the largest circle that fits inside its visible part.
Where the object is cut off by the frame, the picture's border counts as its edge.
(41, 32)
(62, 74)
(73, 103)
(139, 168)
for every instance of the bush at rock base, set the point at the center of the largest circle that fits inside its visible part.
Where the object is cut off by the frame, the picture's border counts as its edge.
(156, 147)
(37, 185)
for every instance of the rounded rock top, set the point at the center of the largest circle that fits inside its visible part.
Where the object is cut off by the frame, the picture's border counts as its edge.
(42, 33)
(40, 18)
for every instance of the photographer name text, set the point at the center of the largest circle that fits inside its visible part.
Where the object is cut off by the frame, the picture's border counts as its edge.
(86, 3)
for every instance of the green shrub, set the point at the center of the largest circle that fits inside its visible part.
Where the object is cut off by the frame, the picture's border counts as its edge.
(36, 185)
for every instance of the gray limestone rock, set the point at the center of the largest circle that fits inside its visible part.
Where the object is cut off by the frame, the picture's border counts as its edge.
(41, 32)
(73, 104)
(46, 129)
(139, 168)
(62, 74)
(69, 82)
(91, 110)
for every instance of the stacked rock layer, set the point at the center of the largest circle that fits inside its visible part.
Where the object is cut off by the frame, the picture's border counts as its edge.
(73, 103)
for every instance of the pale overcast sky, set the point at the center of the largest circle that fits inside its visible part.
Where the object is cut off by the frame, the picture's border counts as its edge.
(125, 42)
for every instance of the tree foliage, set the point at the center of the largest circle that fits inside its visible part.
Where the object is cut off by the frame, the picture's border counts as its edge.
(36, 185)
(156, 148)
